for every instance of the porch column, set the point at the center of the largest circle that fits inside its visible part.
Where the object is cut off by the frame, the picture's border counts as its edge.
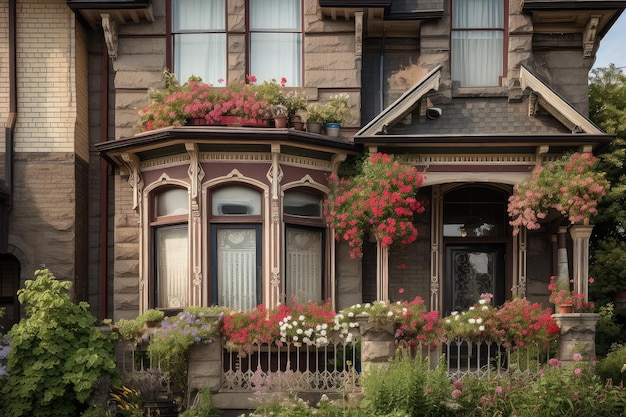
(562, 273)
(580, 235)
(382, 271)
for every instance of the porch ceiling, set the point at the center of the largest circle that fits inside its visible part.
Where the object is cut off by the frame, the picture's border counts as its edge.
(121, 11)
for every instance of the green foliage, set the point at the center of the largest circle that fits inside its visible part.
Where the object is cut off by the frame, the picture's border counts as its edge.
(56, 353)
(408, 387)
(613, 366)
(203, 406)
(608, 331)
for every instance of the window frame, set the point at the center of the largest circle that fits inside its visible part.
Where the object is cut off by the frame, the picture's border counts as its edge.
(155, 223)
(236, 221)
(171, 34)
(311, 224)
(505, 47)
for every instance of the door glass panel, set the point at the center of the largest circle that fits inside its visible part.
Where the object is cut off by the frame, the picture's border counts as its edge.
(304, 265)
(172, 266)
(471, 272)
(237, 268)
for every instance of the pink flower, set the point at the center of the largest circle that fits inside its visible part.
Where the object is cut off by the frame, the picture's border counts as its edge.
(456, 394)
(578, 371)
(577, 357)
(498, 389)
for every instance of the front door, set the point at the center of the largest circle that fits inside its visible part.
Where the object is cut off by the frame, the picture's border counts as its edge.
(472, 270)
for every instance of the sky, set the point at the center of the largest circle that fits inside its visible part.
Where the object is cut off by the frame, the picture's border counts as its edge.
(612, 49)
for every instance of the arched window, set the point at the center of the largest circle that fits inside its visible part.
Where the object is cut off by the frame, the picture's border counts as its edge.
(170, 234)
(235, 234)
(304, 246)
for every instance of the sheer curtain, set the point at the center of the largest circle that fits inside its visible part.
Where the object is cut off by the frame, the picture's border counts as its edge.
(476, 47)
(276, 40)
(172, 266)
(304, 265)
(237, 268)
(199, 28)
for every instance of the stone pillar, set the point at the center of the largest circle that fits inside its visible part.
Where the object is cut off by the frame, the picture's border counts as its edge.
(378, 344)
(580, 235)
(562, 271)
(204, 367)
(578, 335)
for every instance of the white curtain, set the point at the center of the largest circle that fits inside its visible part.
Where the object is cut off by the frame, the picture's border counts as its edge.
(476, 50)
(172, 250)
(276, 40)
(199, 39)
(236, 268)
(304, 272)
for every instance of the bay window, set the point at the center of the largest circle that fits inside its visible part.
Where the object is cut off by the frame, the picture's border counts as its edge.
(477, 42)
(235, 234)
(170, 234)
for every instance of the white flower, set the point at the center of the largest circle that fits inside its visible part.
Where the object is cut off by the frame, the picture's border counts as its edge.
(389, 313)
(301, 318)
(323, 332)
(295, 323)
(448, 321)
(482, 301)
(324, 326)
(299, 331)
(295, 338)
(479, 320)
(481, 328)
(454, 313)
(471, 321)
(471, 308)
(350, 314)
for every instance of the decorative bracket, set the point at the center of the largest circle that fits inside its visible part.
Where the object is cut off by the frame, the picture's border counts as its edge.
(196, 174)
(134, 179)
(589, 36)
(358, 35)
(109, 26)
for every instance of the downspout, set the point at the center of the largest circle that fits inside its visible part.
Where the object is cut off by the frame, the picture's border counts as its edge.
(104, 186)
(10, 124)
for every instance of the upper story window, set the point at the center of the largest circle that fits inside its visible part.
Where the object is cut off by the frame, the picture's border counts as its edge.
(477, 42)
(199, 39)
(276, 40)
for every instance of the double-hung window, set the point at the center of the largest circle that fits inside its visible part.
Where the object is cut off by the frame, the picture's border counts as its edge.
(477, 42)
(199, 39)
(236, 247)
(304, 247)
(276, 40)
(171, 248)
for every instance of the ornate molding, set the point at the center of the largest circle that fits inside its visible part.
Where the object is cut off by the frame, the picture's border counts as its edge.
(589, 35)
(109, 26)
(358, 35)
(446, 159)
(196, 174)
(134, 179)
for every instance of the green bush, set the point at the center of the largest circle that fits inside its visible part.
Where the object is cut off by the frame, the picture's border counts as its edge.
(408, 387)
(56, 353)
(203, 406)
(613, 365)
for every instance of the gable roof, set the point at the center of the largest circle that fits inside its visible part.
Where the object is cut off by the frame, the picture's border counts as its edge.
(490, 119)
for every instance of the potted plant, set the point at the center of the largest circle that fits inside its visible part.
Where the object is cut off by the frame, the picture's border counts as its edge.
(315, 118)
(295, 101)
(566, 300)
(280, 116)
(569, 185)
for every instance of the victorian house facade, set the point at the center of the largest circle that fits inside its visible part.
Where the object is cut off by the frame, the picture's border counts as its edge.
(473, 93)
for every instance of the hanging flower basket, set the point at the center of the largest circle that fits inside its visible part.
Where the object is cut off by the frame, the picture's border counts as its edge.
(569, 185)
(381, 200)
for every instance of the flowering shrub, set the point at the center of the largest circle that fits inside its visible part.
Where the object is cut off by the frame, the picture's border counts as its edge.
(380, 199)
(242, 329)
(308, 323)
(516, 323)
(570, 185)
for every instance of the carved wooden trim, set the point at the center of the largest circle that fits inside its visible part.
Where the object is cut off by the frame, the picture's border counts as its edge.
(109, 26)
(134, 179)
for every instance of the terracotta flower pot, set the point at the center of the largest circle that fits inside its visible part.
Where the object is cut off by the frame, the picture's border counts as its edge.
(565, 308)
(280, 121)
